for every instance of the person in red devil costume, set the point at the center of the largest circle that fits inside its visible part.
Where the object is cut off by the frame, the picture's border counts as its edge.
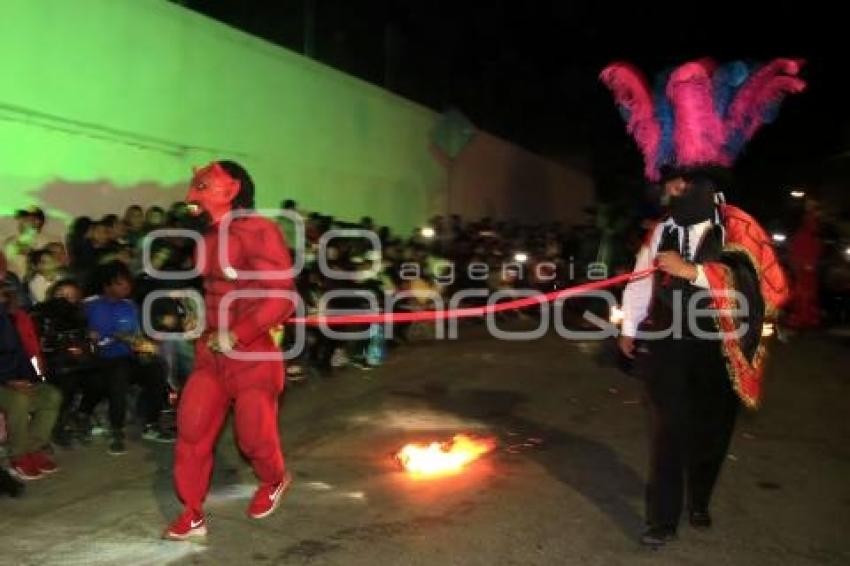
(242, 252)
(804, 251)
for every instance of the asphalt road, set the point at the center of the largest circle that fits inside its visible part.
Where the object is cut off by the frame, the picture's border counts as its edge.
(564, 487)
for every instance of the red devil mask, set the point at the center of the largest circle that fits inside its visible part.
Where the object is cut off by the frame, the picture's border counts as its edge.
(213, 191)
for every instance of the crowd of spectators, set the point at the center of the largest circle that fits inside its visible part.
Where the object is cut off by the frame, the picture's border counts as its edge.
(76, 357)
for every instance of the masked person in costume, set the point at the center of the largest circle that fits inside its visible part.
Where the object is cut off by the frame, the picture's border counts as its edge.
(804, 251)
(245, 263)
(700, 315)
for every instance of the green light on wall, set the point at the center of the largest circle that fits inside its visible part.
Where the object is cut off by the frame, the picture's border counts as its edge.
(126, 96)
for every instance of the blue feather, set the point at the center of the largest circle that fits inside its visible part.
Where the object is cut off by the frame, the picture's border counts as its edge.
(727, 79)
(735, 142)
(666, 119)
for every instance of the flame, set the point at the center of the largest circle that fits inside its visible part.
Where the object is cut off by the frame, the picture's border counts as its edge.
(441, 458)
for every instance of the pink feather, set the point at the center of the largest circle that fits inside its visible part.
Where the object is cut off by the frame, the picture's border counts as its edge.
(699, 134)
(765, 87)
(631, 90)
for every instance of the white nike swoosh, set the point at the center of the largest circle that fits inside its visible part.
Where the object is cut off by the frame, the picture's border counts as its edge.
(195, 525)
(275, 493)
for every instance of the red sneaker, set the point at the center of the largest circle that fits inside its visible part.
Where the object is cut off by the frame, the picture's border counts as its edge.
(25, 468)
(44, 462)
(267, 498)
(188, 525)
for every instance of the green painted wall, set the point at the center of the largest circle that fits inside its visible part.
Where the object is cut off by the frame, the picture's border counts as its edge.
(107, 102)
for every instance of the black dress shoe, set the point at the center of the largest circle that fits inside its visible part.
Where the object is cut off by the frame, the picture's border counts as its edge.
(700, 519)
(656, 537)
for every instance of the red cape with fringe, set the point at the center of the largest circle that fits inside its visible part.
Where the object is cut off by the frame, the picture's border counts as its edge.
(745, 236)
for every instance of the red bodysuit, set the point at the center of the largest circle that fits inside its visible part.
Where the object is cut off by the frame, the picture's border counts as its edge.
(252, 387)
(220, 380)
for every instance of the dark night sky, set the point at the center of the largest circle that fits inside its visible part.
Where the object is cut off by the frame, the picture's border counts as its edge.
(526, 70)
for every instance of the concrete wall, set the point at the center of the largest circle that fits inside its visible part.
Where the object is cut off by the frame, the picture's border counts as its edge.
(492, 177)
(106, 103)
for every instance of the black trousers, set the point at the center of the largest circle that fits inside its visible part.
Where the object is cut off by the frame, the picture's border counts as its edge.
(692, 410)
(69, 382)
(112, 381)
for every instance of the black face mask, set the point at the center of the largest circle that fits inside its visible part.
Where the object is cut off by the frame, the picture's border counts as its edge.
(695, 205)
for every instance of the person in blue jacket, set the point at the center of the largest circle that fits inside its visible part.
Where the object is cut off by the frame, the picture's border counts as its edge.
(125, 357)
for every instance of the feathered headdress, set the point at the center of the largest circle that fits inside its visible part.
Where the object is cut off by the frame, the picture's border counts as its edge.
(700, 114)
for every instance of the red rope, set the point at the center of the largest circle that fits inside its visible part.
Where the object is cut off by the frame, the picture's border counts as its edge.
(390, 317)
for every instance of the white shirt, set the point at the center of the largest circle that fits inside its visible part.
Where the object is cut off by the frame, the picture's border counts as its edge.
(39, 285)
(638, 293)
